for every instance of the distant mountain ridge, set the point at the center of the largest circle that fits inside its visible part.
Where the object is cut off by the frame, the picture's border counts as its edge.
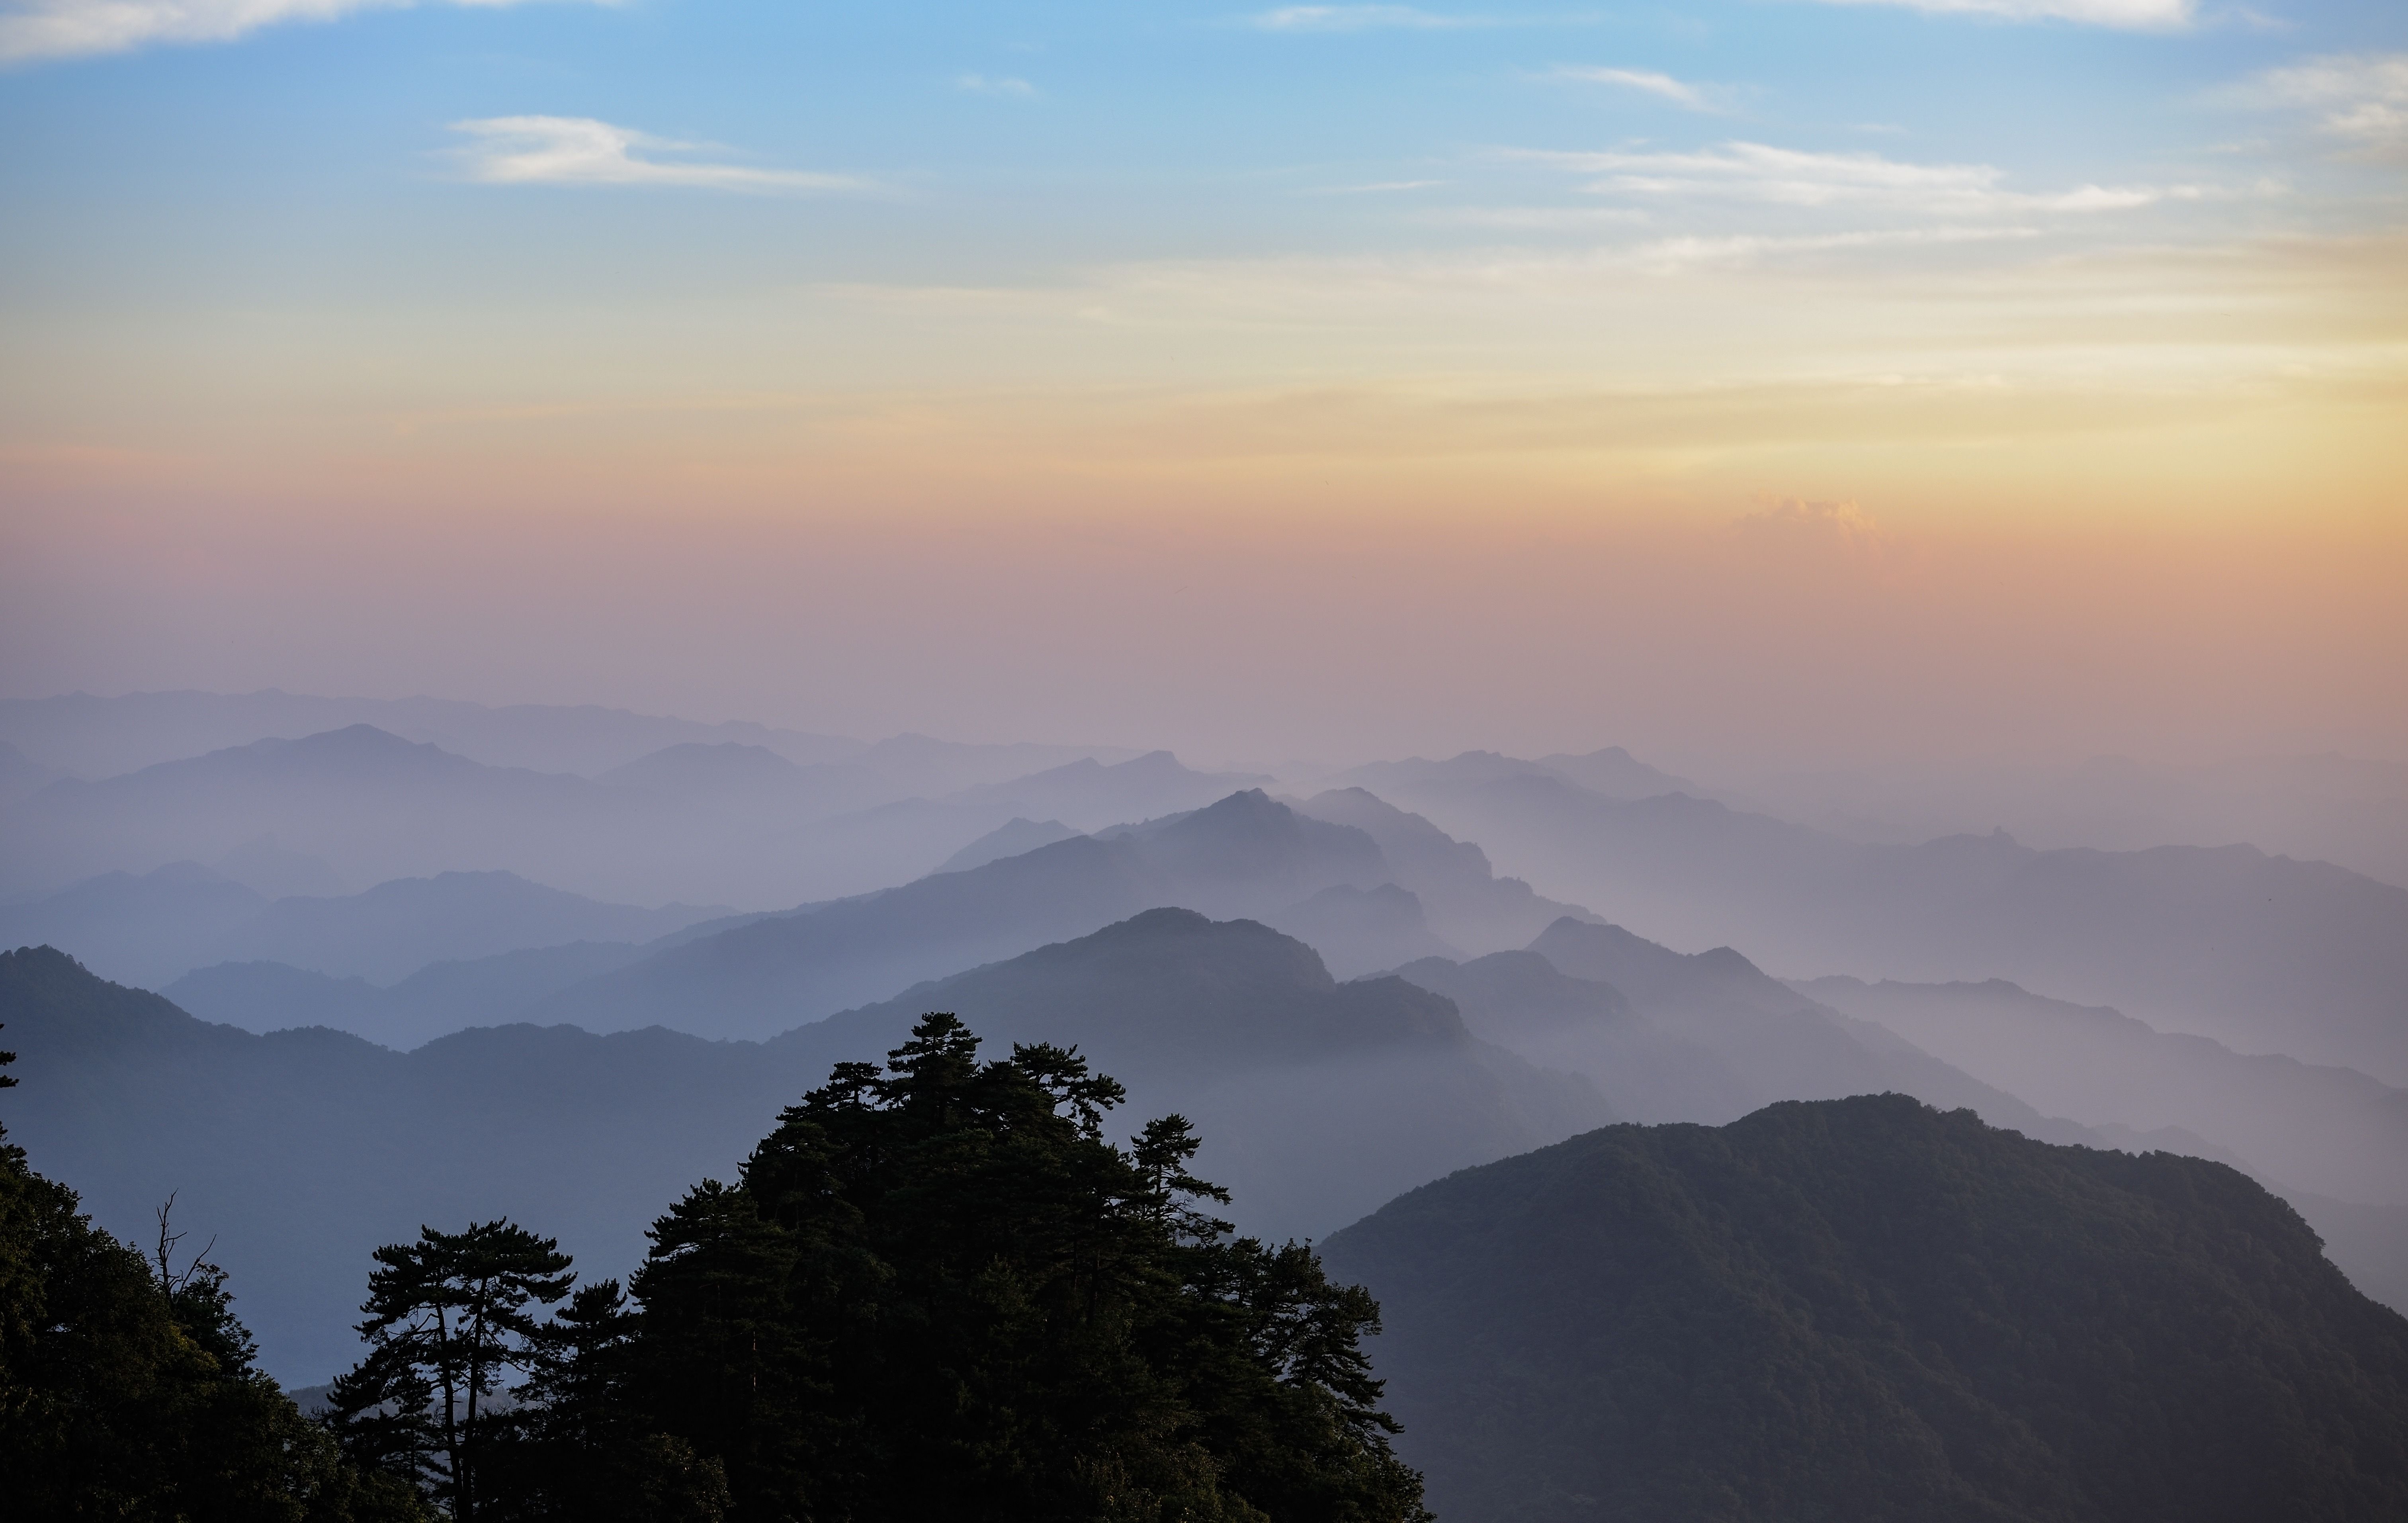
(1245, 856)
(438, 998)
(1013, 836)
(2329, 1130)
(1612, 772)
(2261, 952)
(1462, 899)
(1093, 795)
(303, 1149)
(1708, 1037)
(720, 821)
(150, 930)
(94, 737)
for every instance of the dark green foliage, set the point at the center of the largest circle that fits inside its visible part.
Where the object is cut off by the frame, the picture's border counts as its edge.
(1867, 1310)
(577, 1449)
(447, 1317)
(938, 1292)
(129, 1394)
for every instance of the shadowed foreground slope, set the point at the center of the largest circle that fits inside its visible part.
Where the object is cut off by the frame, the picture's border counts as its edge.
(1865, 1309)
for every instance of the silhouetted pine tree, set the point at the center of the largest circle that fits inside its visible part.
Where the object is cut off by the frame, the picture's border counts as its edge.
(938, 1292)
(575, 1449)
(446, 1318)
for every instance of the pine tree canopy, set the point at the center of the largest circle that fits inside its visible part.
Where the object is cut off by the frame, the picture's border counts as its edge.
(937, 1291)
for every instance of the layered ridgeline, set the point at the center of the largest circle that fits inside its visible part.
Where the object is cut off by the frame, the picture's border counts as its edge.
(1334, 885)
(1865, 1309)
(1365, 884)
(303, 1149)
(1710, 1037)
(2263, 953)
(1670, 1036)
(2330, 1140)
(715, 821)
(152, 928)
(2329, 1130)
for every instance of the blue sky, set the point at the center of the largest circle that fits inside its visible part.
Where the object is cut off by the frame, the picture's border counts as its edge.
(1005, 141)
(1963, 337)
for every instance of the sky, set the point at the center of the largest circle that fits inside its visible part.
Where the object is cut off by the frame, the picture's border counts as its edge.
(1778, 377)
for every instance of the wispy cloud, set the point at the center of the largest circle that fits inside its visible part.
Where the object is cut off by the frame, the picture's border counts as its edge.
(579, 151)
(1795, 523)
(2360, 98)
(987, 84)
(35, 29)
(2130, 15)
(1676, 255)
(1361, 19)
(1787, 177)
(1539, 219)
(1646, 81)
(1383, 187)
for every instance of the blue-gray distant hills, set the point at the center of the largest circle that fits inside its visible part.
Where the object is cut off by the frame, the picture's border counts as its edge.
(438, 998)
(303, 1150)
(82, 735)
(152, 928)
(1246, 856)
(371, 803)
(1091, 795)
(2300, 1126)
(1668, 1036)
(2262, 953)
(1367, 885)
(717, 821)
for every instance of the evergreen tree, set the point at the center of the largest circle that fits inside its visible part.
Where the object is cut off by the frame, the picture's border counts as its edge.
(937, 1291)
(447, 1318)
(575, 1449)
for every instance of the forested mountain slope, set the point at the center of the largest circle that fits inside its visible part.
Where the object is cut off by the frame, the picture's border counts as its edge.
(1867, 1309)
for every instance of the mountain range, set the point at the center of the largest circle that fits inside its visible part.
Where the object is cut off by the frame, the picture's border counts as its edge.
(150, 929)
(2350, 811)
(2329, 1130)
(1709, 1036)
(85, 736)
(722, 820)
(1246, 856)
(438, 998)
(302, 1150)
(2264, 953)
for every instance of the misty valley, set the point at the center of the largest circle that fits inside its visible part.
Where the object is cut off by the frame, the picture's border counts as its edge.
(570, 1114)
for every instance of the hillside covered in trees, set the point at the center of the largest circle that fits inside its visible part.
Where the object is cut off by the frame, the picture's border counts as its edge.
(934, 1290)
(1867, 1309)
